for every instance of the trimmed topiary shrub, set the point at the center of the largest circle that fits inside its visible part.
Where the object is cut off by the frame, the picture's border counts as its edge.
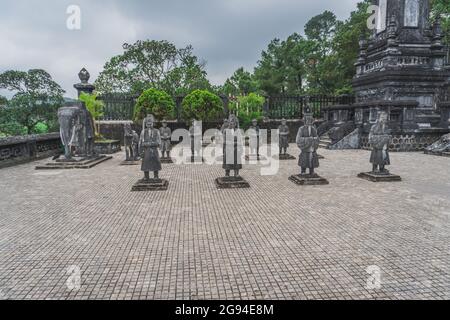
(156, 102)
(202, 105)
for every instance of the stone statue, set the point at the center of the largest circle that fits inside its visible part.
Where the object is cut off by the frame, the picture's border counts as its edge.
(308, 141)
(224, 125)
(232, 147)
(254, 133)
(149, 143)
(379, 138)
(166, 136)
(76, 130)
(233, 150)
(195, 133)
(283, 137)
(131, 139)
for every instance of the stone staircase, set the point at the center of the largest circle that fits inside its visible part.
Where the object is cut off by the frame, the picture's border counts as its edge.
(325, 141)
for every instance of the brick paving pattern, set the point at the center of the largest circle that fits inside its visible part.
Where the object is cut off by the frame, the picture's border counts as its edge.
(275, 240)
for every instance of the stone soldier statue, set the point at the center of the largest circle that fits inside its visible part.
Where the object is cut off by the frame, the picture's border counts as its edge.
(149, 143)
(166, 136)
(232, 147)
(283, 137)
(379, 138)
(131, 139)
(308, 141)
(224, 125)
(254, 133)
(195, 132)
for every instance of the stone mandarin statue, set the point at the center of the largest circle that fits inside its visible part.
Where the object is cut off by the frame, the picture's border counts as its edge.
(232, 147)
(254, 133)
(166, 136)
(308, 142)
(195, 133)
(283, 137)
(149, 143)
(380, 138)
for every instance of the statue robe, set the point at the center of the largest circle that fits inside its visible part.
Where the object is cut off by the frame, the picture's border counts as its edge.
(379, 138)
(232, 142)
(308, 141)
(166, 136)
(254, 139)
(284, 136)
(149, 142)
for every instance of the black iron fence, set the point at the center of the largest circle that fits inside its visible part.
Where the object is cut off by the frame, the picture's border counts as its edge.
(121, 106)
(292, 107)
(118, 106)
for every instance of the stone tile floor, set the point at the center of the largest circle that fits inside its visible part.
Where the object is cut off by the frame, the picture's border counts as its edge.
(275, 240)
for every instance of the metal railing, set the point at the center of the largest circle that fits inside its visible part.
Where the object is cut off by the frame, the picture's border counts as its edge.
(292, 107)
(121, 106)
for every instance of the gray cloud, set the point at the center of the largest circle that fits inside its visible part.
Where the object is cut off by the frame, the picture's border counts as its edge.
(226, 33)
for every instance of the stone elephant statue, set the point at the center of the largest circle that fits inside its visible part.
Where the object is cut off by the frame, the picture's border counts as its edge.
(69, 119)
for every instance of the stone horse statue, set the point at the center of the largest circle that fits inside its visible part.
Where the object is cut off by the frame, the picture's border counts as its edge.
(76, 130)
(131, 139)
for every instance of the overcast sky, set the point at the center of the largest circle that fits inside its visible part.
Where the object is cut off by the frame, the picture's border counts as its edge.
(227, 34)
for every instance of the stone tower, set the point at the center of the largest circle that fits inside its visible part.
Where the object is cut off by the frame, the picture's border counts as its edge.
(401, 67)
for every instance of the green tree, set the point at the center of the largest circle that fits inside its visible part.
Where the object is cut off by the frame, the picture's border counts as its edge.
(156, 102)
(241, 82)
(36, 99)
(441, 8)
(95, 108)
(152, 64)
(3, 101)
(247, 108)
(202, 105)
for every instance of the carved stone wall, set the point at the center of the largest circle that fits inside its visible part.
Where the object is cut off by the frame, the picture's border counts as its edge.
(406, 142)
(16, 150)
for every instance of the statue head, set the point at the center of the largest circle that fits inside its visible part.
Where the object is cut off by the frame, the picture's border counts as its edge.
(308, 116)
(233, 122)
(254, 122)
(283, 122)
(127, 127)
(149, 121)
(382, 117)
(164, 124)
(225, 121)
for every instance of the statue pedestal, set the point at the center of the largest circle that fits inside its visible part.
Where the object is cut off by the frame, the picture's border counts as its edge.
(130, 163)
(74, 163)
(308, 180)
(166, 160)
(284, 157)
(151, 185)
(254, 157)
(232, 183)
(379, 177)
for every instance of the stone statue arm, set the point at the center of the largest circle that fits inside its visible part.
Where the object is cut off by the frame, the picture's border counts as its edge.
(284, 132)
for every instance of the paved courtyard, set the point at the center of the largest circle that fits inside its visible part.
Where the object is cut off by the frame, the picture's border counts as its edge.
(275, 240)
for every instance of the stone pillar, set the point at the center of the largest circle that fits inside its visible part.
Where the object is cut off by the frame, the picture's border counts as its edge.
(84, 85)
